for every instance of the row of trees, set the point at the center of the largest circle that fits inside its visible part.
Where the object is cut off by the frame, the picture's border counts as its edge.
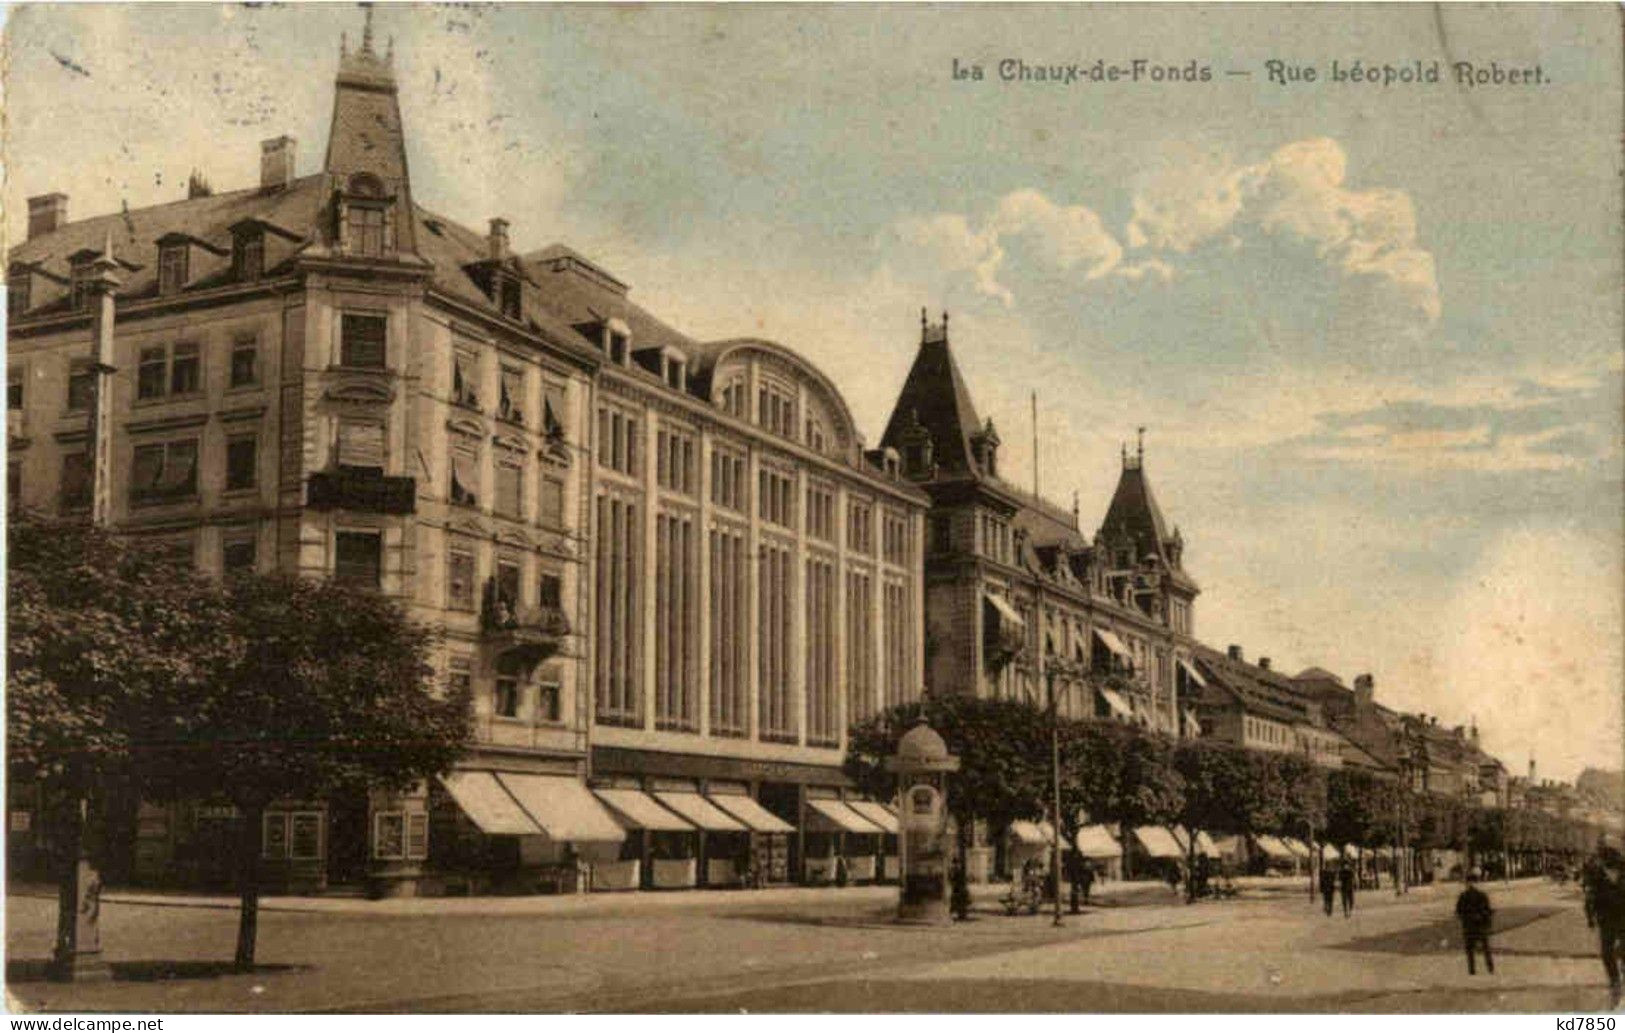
(128, 674)
(1116, 773)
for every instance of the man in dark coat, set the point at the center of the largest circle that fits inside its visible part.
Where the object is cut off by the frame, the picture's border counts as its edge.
(1474, 912)
(958, 892)
(1608, 903)
(1328, 886)
(1345, 887)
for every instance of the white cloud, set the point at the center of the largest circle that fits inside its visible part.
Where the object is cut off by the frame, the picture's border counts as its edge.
(1298, 192)
(1067, 238)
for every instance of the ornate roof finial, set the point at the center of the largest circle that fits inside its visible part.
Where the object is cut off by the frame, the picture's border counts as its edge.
(366, 31)
(389, 52)
(945, 322)
(922, 320)
(1141, 447)
(344, 44)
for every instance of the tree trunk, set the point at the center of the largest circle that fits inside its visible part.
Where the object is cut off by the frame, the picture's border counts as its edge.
(1190, 866)
(248, 884)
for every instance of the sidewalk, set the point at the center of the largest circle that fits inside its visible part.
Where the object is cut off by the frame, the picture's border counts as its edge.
(984, 895)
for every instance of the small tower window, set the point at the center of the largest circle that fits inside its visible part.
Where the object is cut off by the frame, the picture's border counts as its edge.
(249, 259)
(172, 268)
(366, 217)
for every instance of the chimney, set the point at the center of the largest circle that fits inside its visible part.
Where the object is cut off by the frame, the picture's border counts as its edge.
(197, 186)
(1365, 690)
(277, 162)
(1235, 653)
(47, 213)
(497, 241)
(1263, 663)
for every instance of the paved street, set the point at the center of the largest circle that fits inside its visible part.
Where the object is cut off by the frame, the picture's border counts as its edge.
(826, 950)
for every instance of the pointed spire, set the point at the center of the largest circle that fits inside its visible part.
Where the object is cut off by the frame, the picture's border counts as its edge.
(366, 31)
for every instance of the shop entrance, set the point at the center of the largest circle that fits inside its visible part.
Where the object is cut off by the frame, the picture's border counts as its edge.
(347, 841)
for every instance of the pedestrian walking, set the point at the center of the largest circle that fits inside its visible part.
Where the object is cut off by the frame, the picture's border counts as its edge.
(1345, 888)
(1473, 911)
(1328, 887)
(959, 892)
(1609, 906)
(1590, 879)
(1086, 878)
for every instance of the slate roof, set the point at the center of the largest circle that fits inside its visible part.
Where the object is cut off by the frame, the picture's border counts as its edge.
(290, 212)
(1259, 691)
(935, 393)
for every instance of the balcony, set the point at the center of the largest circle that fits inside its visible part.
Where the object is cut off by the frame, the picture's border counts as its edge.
(362, 490)
(527, 634)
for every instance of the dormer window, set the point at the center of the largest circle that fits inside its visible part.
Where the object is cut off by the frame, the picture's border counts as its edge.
(733, 397)
(366, 217)
(816, 439)
(619, 348)
(508, 295)
(80, 292)
(776, 410)
(676, 373)
(172, 265)
(18, 284)
(248, 255)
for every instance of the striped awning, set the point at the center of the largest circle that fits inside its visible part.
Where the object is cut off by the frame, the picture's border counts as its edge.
(1113, 643)
(1097, 841)
(877, 813)
(1035, 833)
(1158, 841)
(753, 814)
(1273, 847)
(700, 812)
(638, 810)
(1191, 673)
(488, 805)
(835, 816)
(1116, 703)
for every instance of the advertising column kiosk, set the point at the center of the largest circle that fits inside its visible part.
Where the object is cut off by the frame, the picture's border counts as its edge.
(922, 764)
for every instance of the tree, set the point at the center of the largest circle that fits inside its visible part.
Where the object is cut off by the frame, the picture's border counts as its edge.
(1226, 789)
(1003, 750)
(99, 637)
(324, 689)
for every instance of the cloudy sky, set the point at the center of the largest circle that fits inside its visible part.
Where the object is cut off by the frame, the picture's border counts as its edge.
(1374, 333)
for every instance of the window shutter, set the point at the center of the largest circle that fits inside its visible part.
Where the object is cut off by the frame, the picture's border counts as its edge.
(553, 408)
(465, 477)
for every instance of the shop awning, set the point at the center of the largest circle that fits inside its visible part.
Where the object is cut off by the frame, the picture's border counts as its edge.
(1329, 853)
(835, 816)
(638, 810)
(1037, 833)
(1190, 672)
(752, 814)
(700, 811)
(1113, 643)
(1273, 847)
(1006, 612)
(876, 813)
(1116, 703)
(565, 809)
(488, 805)
(1158, 841)
(1296, 846)
(1228, 846)
(1205, 845)
(1097, 841)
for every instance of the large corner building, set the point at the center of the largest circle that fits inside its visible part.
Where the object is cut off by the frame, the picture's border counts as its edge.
(668, 569)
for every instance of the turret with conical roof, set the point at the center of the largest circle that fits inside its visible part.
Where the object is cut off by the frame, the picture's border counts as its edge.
(934, 397)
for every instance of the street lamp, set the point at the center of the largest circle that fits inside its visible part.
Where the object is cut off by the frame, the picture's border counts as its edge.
(1050, 672)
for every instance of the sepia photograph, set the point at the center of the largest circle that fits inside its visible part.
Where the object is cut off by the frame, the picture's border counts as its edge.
(941, 508)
